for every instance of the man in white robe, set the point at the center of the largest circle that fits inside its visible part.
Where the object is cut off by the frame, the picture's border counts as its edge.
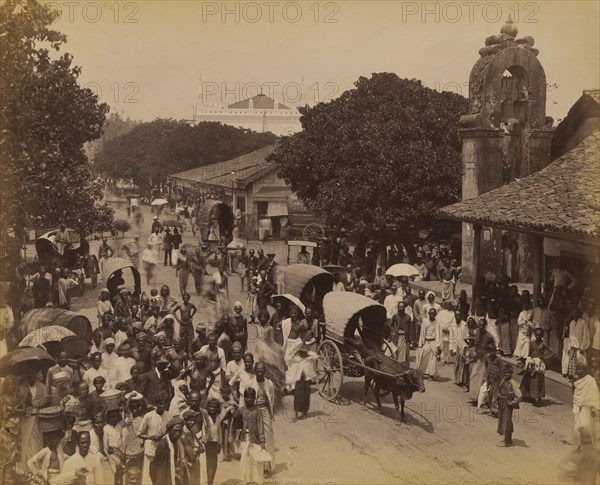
(82, 463)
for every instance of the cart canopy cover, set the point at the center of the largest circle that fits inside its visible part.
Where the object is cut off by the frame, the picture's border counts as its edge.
(297, 276)
(44, 317)
(342, 307)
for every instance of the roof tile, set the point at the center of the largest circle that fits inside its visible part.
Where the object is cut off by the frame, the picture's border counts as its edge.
(563, 197)
(245, 168)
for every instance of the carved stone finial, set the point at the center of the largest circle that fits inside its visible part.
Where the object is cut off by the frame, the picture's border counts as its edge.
(509, 28)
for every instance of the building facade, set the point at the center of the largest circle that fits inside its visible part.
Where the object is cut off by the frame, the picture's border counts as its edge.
(259, 113)
(251, 184)
(248, 183)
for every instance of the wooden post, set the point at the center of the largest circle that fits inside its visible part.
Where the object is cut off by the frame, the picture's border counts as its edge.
(538, 261)
(476, 259)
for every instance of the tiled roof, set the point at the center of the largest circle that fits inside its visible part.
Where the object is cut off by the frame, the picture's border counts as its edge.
(260, 101)
(593, 93)
(563, 198)
(246, 168)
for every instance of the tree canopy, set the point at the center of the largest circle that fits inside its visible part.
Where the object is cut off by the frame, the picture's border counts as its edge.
(114, 126)
(378, 159)
(46, 119)
(150, 152)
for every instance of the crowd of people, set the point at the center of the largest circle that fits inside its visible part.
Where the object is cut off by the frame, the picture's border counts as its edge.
(162, 398)
(499, 321)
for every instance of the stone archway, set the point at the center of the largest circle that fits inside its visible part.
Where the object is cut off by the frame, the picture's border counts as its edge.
(514, 96)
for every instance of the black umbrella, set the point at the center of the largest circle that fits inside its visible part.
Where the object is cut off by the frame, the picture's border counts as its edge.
(17, 361)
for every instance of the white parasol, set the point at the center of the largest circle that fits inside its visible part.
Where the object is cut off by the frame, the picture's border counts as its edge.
(402, 269)
(52, 333)
(159, 202)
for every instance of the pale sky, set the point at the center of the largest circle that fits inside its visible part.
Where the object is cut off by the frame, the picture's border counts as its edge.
(152, 67)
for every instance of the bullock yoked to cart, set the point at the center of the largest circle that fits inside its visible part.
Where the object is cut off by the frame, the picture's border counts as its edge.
(346, 315)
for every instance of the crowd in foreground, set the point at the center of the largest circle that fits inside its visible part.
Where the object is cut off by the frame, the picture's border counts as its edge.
(162, 398)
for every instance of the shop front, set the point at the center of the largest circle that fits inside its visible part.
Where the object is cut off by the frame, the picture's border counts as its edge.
(271, 211)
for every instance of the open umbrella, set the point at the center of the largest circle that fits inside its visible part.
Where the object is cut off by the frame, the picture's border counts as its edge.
(172, 223)
(15, 362)
(287, 299)
(52, 333)
(159, 202)
(402, 269)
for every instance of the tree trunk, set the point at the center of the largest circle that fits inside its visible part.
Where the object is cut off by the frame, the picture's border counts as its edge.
(359, 250)
(404, 240)
(383, 255)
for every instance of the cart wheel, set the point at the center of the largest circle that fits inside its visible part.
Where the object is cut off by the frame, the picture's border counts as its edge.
(313, 232)
(80, 281)
(330, 370)
(387, 349)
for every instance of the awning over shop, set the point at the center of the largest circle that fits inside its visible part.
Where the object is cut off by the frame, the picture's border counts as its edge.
(276, 209)
(275, 194)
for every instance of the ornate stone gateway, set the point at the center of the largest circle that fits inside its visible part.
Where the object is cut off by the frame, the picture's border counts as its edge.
(506, 136)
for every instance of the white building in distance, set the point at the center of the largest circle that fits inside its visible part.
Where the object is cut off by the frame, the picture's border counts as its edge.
(259, 113)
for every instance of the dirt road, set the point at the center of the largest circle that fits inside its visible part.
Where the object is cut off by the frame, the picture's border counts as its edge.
(444, 440)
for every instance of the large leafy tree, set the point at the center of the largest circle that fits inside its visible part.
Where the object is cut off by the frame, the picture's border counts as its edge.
(46, 119)
(114, 126)
(150, 152)
(378, 160)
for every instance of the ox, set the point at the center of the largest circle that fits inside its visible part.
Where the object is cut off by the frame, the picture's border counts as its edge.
(402, 384)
